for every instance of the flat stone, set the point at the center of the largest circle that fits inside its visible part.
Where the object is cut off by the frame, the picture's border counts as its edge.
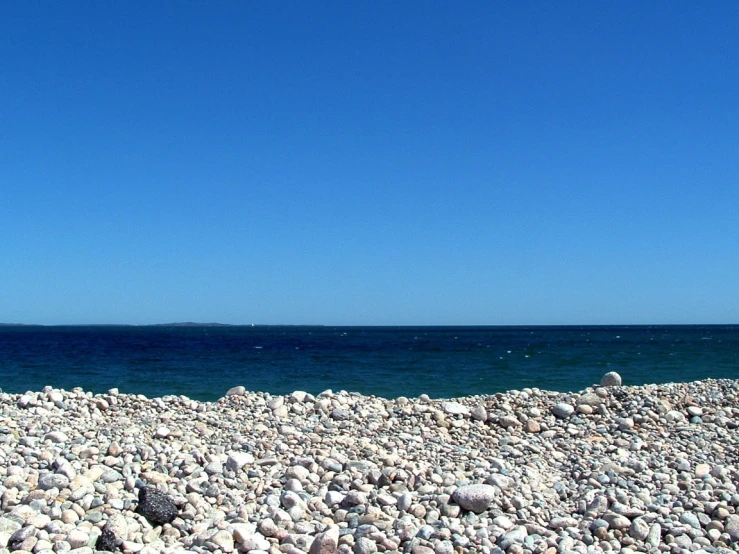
(455, 408)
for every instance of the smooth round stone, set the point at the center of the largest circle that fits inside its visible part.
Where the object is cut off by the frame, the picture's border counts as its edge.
(77, 538)
(563, 410)
(236, 391)
(610, 379)
(162, 432)
(475, 498)
(57, 437)
(673, 416)
(223, 540)
(293, 485)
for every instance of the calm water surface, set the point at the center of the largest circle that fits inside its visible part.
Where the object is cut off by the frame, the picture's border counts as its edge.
(203, 362)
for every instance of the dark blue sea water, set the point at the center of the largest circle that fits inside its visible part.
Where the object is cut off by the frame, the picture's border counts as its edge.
(203, 362)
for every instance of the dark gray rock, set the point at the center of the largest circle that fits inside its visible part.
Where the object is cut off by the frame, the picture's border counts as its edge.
(106, 541)
(155, 506)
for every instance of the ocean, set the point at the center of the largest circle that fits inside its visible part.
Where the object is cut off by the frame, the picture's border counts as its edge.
(204, 361)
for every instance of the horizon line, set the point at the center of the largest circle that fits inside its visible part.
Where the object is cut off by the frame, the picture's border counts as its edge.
(218, 324)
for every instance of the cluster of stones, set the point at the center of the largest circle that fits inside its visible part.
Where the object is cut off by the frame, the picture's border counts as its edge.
(611, 468)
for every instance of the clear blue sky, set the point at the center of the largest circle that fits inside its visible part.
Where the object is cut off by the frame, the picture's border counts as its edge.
(369, 163)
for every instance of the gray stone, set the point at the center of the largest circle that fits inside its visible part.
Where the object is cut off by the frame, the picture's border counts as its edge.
(8, 525)
(616, 521)
(364, 546)
(479, 413)
(610, 379)
(517, 535)
(23, 533)
(341, 414)
(500, 481)
(475, 498)
(655, 535)
(639, 529)
(731, 526)
(444, 547)
(689, 518)
(563, 410)
(589, 399)
(404, 502)
(326, 542)
(53, 480)
(56, 437)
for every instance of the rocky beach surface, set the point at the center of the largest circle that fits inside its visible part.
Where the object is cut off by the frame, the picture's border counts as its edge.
(611, 468)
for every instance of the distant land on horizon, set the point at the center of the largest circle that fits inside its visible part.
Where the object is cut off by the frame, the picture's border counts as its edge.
(216, 324)
(176, 324)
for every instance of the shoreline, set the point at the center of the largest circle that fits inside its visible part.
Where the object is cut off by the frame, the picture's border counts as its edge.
(613, 468)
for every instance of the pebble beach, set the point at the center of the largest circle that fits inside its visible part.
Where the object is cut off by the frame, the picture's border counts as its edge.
(626, 469)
